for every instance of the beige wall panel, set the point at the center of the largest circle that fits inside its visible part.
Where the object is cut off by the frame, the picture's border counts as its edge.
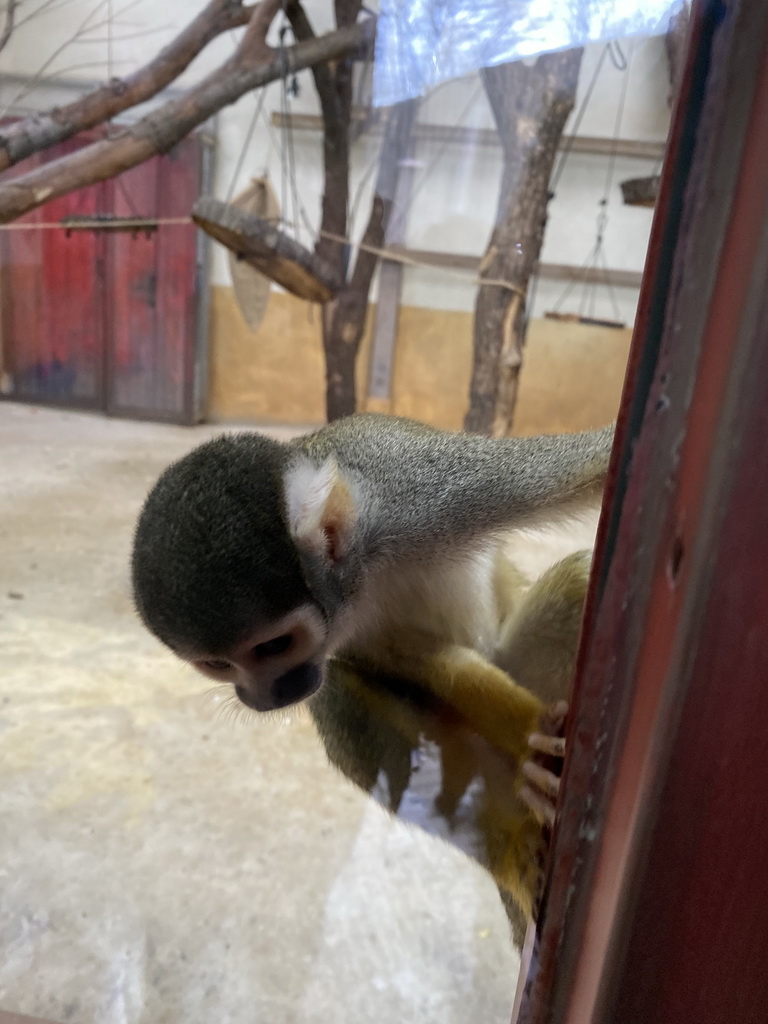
(572, 375)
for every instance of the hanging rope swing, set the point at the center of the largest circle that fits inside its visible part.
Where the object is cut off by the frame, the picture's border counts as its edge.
(252, 289)
(594, 270)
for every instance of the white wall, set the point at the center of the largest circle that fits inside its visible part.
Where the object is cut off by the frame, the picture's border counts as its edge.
(455, 189)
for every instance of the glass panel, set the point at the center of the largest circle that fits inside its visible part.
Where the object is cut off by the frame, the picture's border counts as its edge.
(466, 259)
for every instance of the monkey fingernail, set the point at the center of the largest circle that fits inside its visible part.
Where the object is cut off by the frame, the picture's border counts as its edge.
(540, 777)
(552, 745)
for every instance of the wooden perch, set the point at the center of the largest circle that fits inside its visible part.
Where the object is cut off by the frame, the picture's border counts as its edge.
(262, 246)
(641, 191)
(252, 66)
(39, 131)
(108, 223)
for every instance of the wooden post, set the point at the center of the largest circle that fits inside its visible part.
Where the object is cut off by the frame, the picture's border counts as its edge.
(396, 173)
(530, 105)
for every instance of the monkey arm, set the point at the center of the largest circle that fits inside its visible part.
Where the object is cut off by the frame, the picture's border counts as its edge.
(490, 703)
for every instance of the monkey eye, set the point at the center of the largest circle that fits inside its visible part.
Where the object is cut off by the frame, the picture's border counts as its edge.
(271, 648)
(215, 664)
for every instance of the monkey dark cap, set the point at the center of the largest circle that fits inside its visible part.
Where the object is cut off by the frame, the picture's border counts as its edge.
(200, 575)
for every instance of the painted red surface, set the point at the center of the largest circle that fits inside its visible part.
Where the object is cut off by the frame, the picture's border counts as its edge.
(106, 321)
(53, 307)
(658, 904)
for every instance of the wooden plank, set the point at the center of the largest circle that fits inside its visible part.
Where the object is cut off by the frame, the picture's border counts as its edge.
(593, 145)
(72, 310)
(178, 188)
(552, 271)
(641, 191)
(395, 181)
(153, 290)
(591, 275)
(133, 341)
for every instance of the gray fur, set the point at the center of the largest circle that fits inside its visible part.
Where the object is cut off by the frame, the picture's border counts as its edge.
(212, 553)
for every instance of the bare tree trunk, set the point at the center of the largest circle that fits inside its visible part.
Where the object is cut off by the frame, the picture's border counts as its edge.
(334, 88)
(343, 319)
(530, 105)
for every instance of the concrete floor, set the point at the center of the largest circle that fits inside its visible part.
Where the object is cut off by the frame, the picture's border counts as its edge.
(161, 864)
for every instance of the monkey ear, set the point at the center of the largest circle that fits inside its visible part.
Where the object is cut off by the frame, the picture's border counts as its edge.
(321, 509)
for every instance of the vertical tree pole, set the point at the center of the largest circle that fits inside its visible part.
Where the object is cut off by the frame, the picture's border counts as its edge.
(530, 105)
(344, 317)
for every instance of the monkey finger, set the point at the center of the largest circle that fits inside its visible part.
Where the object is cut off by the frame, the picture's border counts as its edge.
(559, 711)
(553, 719)
(552, 745)
(546, 781)
(542, 808)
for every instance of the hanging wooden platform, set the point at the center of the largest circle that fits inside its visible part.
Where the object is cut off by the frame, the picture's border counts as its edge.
(252, 289)
(577, 318)
(270, 251)
(641, 191)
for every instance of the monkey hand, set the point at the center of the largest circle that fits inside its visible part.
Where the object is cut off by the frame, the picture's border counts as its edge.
(542, 771)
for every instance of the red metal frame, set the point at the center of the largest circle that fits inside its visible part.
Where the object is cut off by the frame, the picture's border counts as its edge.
(657, 908)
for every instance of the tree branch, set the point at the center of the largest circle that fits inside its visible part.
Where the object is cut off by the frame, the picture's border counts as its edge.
(334, 89)
(252, 66)
(10, 20)
(39, 131)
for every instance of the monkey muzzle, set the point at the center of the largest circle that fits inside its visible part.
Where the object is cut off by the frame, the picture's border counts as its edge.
(292, 687)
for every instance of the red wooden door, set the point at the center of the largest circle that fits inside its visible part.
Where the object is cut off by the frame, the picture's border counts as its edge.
(53, 303)
(108, 321)
(152, 284)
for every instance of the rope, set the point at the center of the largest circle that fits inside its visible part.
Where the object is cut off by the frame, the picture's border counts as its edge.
(399, 218)
(246, 144)
(408, 261)
(387, 254)
(577, 122)
(597, 252)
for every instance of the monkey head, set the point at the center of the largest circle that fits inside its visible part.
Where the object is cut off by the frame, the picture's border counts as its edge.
(244, 558)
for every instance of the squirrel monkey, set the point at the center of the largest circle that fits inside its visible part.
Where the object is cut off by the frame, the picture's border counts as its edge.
(415, 754)
(365, 554)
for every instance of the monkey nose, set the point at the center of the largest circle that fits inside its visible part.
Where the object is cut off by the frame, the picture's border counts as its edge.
(293, 686)
(245, 695)
(296, 684)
